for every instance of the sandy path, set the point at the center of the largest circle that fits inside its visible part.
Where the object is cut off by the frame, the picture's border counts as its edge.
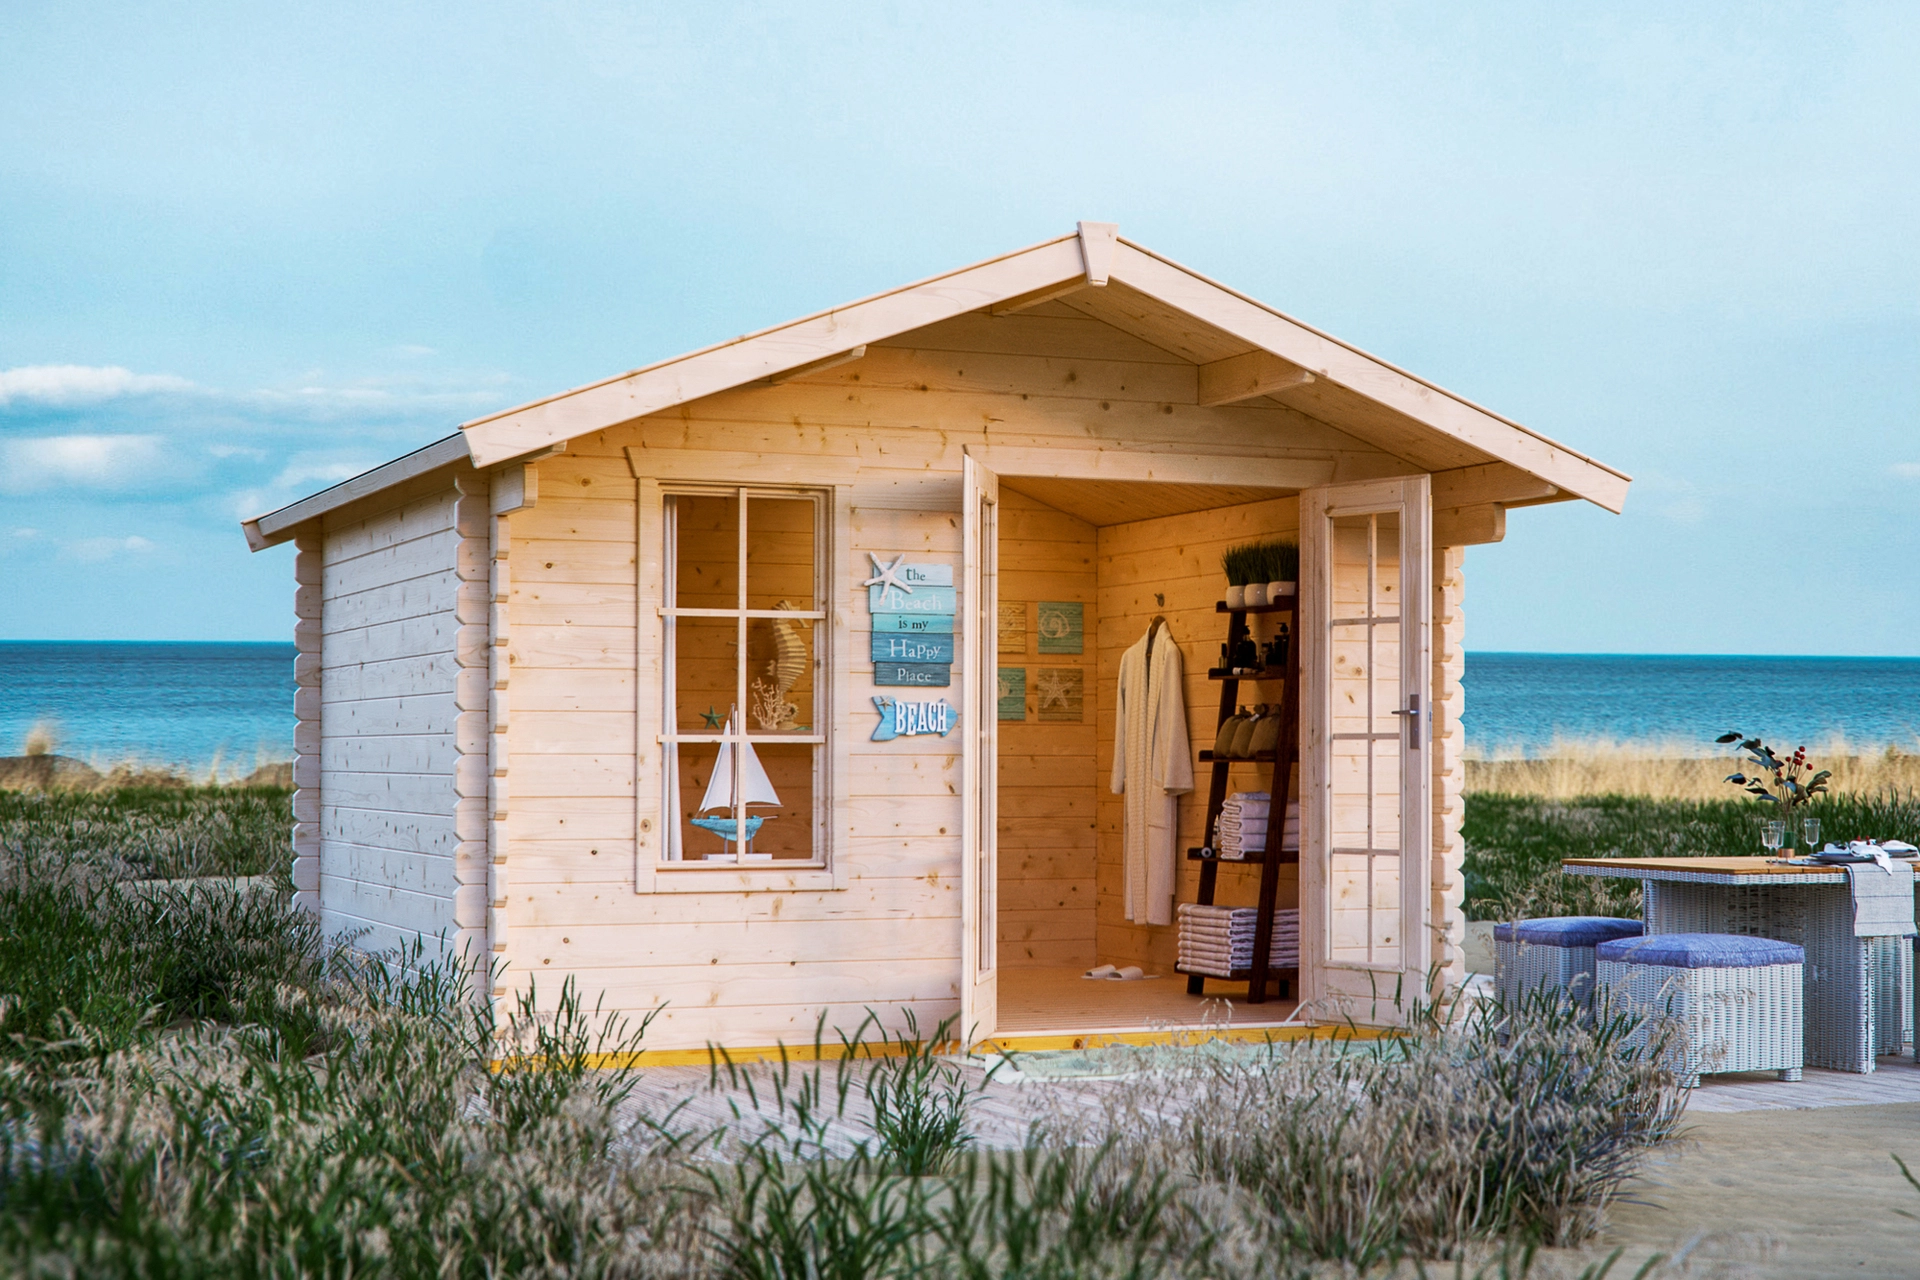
(1778, 1194)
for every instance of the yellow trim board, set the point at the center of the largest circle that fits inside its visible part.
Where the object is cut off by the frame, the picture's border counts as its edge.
(1041, 1042)
(716, 1054)
(1037, 1042)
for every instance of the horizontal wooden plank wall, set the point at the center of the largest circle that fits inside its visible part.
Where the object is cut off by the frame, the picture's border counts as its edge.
(1176, 558)
(1047, 775)
(387, 748)
(754, 968)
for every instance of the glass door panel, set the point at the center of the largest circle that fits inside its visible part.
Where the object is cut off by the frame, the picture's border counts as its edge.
(1364, 873)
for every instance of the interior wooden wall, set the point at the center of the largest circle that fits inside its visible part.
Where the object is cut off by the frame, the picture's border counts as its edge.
(1048, 791)
(1171, 566)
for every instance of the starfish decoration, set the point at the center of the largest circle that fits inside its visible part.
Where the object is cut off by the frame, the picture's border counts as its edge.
(1052, 690)
(711, 716)
(887, 575)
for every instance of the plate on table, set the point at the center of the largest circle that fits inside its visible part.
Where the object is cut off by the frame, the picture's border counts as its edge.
(1840, 859)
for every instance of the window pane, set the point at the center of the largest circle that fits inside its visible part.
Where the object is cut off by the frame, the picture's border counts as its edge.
(1386, 677)
(1348, 552)
(696, 770)
(704, 688)
(789, 828)
(780, 676)
(1386, 580)
(1351, 686)
(706, 551)
(1348, 928)
(780, 551)
(1385, 939)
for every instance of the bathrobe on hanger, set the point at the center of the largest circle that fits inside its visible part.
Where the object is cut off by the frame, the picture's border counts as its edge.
(1152, 768)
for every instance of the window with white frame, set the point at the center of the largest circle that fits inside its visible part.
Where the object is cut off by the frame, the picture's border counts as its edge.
(745, 674)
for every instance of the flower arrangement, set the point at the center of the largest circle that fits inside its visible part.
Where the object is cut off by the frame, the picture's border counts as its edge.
(1774, 779)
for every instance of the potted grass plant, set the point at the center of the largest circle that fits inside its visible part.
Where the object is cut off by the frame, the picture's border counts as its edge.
(1282, 569)
(1245, 571)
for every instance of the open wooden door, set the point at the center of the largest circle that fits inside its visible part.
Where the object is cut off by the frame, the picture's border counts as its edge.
(1366, 747)
(979, 723)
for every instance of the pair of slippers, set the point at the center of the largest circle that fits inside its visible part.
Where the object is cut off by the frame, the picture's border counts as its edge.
(1109, 973)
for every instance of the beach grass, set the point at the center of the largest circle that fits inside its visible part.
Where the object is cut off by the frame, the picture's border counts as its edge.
(194, 1082)
(1607, 799)
(1671, 769)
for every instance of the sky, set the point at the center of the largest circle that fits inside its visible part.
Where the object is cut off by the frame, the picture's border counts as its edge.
(247, 251)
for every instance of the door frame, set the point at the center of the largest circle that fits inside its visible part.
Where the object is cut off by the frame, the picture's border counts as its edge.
(980, 754)
(1323, 981)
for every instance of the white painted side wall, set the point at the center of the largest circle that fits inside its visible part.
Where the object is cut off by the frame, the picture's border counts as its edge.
(388, 751)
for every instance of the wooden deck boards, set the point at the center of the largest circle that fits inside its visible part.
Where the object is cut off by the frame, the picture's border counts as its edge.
(1045, 1000)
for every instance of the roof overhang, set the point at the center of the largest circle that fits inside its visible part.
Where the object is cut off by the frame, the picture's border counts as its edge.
(1243, 348)
(278, 526)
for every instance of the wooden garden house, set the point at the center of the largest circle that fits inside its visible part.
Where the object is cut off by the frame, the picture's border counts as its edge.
(780, 678)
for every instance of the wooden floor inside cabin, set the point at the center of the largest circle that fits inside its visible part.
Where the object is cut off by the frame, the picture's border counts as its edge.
(1036, 1001)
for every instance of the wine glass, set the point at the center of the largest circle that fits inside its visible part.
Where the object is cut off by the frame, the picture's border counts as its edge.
(1810, 828)
(1773, 835)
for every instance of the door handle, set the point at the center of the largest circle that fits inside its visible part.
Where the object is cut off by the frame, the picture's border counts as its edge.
(1412, 712)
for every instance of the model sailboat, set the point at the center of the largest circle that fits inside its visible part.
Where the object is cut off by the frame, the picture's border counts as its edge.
(754, 788)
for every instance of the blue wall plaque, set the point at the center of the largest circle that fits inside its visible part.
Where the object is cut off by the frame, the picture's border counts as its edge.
(929, 674)
(892, 646)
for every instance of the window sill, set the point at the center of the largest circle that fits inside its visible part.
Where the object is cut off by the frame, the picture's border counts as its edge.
(764, 877)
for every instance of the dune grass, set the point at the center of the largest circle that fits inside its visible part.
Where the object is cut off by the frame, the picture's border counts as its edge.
(192, 1082)
(1601, 799)
(1573, 768)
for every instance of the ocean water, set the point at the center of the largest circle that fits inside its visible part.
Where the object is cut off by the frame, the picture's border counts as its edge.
(194, 704)
(186, 705)
(1523, 701)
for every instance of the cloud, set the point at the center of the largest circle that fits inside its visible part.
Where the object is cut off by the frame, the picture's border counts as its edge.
(94, 550)
(1907, 470)
(302, 476)
(113, 462)
(319, 475)
(69, 384)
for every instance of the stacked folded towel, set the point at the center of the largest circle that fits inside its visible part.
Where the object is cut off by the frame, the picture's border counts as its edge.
(1242, 826)
(1218, 941)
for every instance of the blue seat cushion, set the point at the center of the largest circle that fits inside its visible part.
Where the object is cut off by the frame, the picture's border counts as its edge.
(1701, 951)
(1567, 931)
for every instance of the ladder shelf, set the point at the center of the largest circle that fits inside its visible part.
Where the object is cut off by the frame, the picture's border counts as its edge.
(1280, 765)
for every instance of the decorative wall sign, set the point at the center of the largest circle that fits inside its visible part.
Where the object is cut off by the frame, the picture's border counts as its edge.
(1060, 695)
(1060, 626)
(914, 623)
(899, 719)
(1013, 627)
(895, 646)
(1013, 693)
(923, 600)
(913, 607)
(931, 675)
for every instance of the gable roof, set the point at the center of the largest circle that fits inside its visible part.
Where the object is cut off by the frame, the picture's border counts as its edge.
(1242, 348)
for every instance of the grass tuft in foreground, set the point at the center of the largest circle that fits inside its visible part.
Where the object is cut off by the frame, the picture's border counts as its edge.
(192, 1083)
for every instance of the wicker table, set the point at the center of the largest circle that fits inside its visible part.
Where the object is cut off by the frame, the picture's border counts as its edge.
(1855, 988)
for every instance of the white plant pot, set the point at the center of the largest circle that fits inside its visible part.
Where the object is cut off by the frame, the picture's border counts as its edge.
(1256, 593)
(1236, 597)
(1278, 591)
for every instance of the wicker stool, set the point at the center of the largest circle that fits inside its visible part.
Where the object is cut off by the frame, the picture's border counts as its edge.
(1557, 952)
(1737, 998)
